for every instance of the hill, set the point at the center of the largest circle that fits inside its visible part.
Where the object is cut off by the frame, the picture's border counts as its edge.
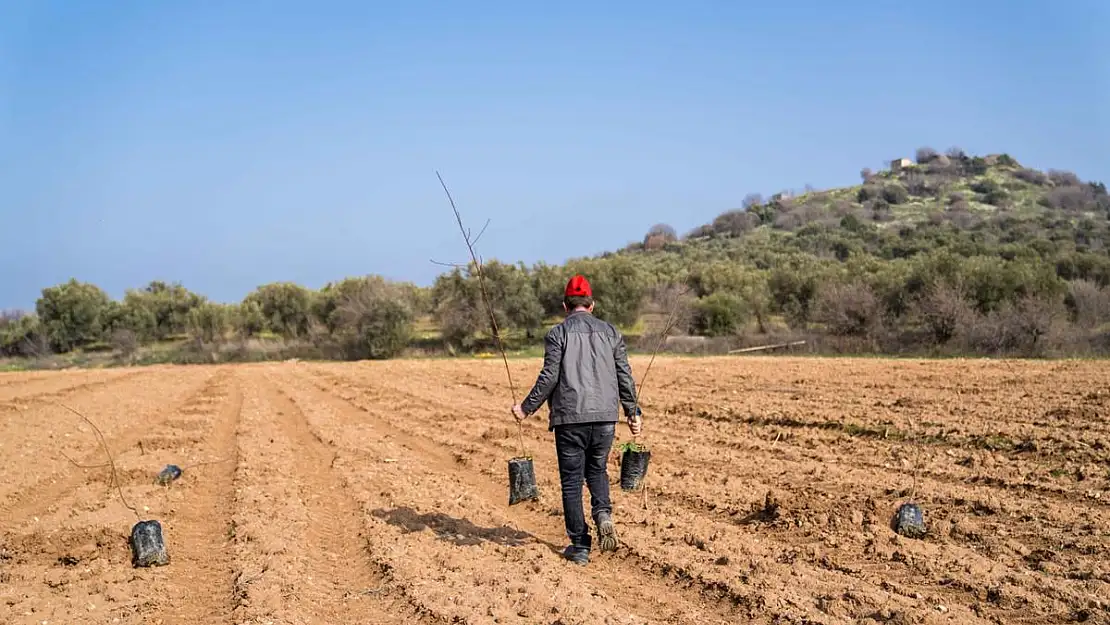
(942, 254)
(989, 199)
(1002, 255)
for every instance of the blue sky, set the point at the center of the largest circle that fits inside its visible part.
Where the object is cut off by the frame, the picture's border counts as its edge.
(226, 145)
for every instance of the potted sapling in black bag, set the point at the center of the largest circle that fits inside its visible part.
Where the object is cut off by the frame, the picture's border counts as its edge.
(522, 480)
(635, 457)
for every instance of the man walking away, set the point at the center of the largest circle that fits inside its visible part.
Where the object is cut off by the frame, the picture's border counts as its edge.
(586, 380)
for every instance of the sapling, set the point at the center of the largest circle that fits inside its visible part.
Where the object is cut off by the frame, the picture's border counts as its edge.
(148, 548)
(909, 520)
(635, 455)
(522, 473)
(634, 464)
(172, 472)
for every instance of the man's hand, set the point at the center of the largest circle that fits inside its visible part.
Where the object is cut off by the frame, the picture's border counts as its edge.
(636, 422)
(518, 412)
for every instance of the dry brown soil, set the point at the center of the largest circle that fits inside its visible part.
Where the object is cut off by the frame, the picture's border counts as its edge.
(378, 493)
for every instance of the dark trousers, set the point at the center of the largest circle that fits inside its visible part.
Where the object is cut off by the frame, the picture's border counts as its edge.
(583, 450)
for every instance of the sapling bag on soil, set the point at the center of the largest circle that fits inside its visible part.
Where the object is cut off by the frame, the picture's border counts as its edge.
(169, 474)
(634, 465)
(147, 546)
(909, 521)
(522, 481)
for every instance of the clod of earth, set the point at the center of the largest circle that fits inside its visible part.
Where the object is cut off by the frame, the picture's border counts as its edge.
(168, 474)
(909, 521)
(522, 481)
(147, 546)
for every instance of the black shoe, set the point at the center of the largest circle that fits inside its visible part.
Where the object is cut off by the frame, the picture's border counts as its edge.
(577, 555)
(606, 532)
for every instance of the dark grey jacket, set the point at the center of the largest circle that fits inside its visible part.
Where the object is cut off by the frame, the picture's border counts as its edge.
(585, 375)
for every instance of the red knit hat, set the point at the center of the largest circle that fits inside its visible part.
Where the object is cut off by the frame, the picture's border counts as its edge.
(578, 287)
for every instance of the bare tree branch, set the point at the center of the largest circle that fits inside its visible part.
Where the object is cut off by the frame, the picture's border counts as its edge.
(485, 298)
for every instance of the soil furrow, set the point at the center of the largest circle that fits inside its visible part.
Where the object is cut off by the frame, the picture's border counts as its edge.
(377, 492)
(201, 589)
(789, 464)
(78, 547)
(54, 475)
(863, 562)
(893, 464)
(1028, 456)
(701, 598)
(53, 389)
(300, 542)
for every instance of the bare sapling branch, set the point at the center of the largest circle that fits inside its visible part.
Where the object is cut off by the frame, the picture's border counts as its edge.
(111, 460)
(452, 265)
(83, 466)
(64, 454)
(485, 299)
(668, 326)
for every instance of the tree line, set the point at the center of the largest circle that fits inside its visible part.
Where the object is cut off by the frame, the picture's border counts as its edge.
(955, 254)
(354, 318)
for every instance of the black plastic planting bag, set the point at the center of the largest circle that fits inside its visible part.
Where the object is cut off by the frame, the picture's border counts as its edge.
(634, 466)
(147, 546)
(522, 481)
(169, 474)
(909, 521)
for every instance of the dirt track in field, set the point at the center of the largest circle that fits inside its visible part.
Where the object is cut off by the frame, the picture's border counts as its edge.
(377, 493)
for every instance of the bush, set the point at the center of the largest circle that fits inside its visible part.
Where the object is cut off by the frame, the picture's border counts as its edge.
(992, 192)
(850, 309)
(159, 310)
(926, 155)
(125, 341)
(1024, 328)
(373, 323)
(1032, 176)
(790, 221)
(943, 310)
(249, 320)
(73, 314)
(285, 307)
(22, 335)
(1062, 178)
(792, 288)
(895, 194)
(976, 166)
(880, 210)
(701, 232)
(719, 314)
(210, 323)
(1072, 199)
(960, 216)
(1088, 304)
(868, 192)
(919, 185)
(735, 223)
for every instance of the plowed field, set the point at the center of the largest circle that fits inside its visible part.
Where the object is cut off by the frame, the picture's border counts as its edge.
(377, 493)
